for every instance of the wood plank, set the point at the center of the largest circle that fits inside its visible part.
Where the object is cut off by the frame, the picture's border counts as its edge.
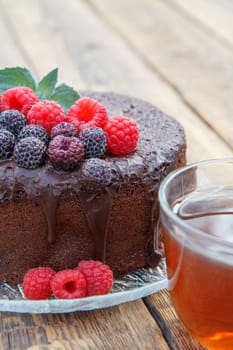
(103, 62)
(10, 54)
(113, 328)
(197, 65)
(177, 337)
(216, 15)
(29, 32)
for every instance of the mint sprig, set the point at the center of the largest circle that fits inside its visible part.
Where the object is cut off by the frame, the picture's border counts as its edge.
(47, 85)
(47, 88)
(17, 76)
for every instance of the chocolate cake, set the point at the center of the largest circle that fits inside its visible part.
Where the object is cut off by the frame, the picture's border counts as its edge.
(55, 218)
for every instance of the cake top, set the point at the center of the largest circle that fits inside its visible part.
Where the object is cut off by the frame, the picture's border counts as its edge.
(51, 136)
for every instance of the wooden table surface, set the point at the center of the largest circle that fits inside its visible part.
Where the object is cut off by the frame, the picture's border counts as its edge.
(176, 54)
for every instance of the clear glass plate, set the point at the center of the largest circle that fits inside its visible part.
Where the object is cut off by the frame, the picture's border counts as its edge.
(134, 286)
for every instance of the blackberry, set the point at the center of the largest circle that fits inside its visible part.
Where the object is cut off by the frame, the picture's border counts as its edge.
(29, 152)
(64, 128)
(65, 152)
(94, 141)
(99, 172)
(12, 120)
(34, 130)
(7, 144)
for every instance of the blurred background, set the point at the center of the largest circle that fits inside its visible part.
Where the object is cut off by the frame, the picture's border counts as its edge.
(176, 54)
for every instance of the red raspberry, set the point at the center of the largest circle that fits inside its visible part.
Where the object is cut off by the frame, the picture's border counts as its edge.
(21, 98)
(98, 275)
(46, 113)
(36, 283)
(69, 284)
(86, 113)
(122, 135)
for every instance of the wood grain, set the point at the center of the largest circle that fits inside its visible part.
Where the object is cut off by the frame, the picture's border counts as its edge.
(107, 64)
(32, 33)
(124, 327)
(197, 65)
(217, 16)
(176, 335)
(10, 56)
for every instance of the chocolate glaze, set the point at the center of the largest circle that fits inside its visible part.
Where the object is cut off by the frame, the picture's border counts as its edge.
(161, 148)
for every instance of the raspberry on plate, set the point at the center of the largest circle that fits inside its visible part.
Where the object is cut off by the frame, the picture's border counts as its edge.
(21, 98)
(7, 144)
(46, 113)
(98, 275)
(65, 152)
(122, 135)
(86, 113)
(36, 283)
(94, 141)
(29, 152)
(69, 284)
(12, 120)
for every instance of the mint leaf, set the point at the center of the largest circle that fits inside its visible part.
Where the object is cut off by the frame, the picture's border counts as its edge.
(65, 96)
(47, 88)
(47, 85)
(16, 76)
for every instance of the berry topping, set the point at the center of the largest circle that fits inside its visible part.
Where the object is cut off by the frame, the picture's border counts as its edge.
(46, 113)
(21, 98)
(65, 152)
(99, 276)
(69, 284)
(34, 130)
(98, 171)
(64, 128)
(86, 113)
(122, 135)
(36, 283)
(12, 120)
(7, 144)
(29, 152)
(94, 141)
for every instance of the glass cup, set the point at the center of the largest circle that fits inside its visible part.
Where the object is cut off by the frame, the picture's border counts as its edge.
(196, 208)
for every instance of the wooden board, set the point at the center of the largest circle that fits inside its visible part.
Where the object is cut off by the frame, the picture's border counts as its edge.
(30, 31)
(217, 16)
(176, 335)
(9, 55)
(113, 328)
(197, 65)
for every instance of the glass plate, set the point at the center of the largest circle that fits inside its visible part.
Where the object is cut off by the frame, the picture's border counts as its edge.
(134, 286)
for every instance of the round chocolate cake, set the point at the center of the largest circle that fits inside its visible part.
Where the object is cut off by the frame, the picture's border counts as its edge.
(105, 209)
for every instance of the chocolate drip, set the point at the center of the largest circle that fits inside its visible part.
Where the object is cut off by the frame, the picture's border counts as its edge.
(7, 183)
(49, 204)
(97, 208)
